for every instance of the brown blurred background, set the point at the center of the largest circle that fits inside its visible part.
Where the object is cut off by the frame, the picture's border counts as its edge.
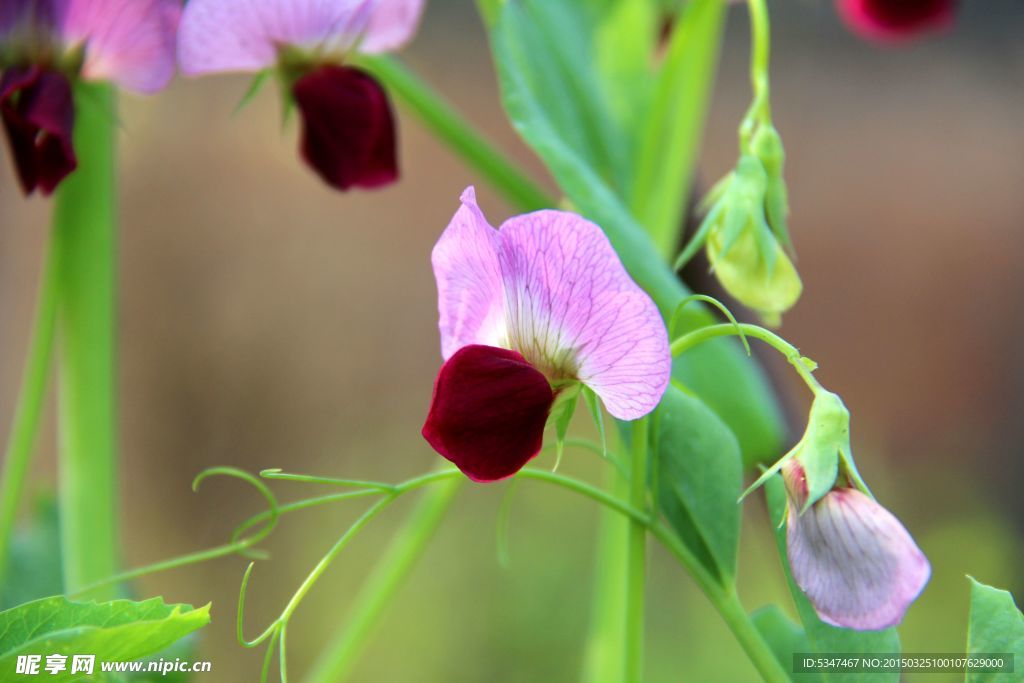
(269, 322)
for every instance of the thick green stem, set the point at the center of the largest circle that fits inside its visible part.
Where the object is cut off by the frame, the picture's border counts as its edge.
(606, 641)
(458, 134)
(84, 215)
(341, 653)
(25, 427)
(636, 557)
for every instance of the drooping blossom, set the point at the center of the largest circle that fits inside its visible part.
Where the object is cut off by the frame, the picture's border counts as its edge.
(348, 135)
(526, 311)
(853, 559)
(46, 45)
(895, 20)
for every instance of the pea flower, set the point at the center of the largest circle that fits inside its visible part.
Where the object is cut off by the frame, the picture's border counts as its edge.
(853, 559)
(46, 45)
(348, 133)
(526, 312)
(889, 20)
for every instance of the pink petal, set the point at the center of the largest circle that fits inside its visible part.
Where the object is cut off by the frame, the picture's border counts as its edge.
(244, 35)
(470, 300)
(574, 312)
(392, 25)
(130, 42)
(488, 412)
(853, 559)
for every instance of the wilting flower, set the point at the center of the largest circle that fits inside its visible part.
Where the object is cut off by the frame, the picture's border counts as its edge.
(348, 128)
(896, 19)
(527, 311)
(45, 45)
(853, 559)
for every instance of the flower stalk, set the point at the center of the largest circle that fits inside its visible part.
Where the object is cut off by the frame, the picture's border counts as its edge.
(84, 230)
(636, 555)
(25, 426)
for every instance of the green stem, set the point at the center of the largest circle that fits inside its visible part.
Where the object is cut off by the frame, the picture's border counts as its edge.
(803, 366)
(760, 50)
(343, 650)
(84, 215)
(636, 556)
(452, 129)
(724, 600)
(605, 654)
(25, 427)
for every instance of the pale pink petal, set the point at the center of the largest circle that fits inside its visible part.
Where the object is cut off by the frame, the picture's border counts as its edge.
(244, 35)
(574, 312)
(465, 262)
(853, 559)
(392, 25)
(129, 42)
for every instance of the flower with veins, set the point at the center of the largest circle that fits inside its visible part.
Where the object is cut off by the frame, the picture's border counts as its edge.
(348, 128)
(45, 45)
(540, 304)
(853, 559)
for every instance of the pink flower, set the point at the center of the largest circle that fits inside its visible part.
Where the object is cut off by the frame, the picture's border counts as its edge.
(853, 559)
(525, 311)
(46, 44)
(348, 127)
(893, 20)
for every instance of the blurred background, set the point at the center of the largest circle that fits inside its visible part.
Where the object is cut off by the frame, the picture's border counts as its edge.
(270, 322)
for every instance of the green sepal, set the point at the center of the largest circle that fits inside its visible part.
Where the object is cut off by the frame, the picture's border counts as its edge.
(561, 416)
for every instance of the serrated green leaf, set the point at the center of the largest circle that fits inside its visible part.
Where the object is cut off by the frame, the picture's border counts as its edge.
(699, 477)
(784, 638)
(119, 630)
(996, 625)
(821, 637)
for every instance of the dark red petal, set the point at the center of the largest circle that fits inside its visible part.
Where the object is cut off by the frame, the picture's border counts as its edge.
(488, 412)
(896, 19)
(38, 112)
(348, 132)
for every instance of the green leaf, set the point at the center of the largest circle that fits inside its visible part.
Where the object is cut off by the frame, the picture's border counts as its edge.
(34, 569)
(996, 625)
(783, 637)
(821, 637)
(699, 472)
(536, 86)
(549, 44)
(666, 156)
(119, 630)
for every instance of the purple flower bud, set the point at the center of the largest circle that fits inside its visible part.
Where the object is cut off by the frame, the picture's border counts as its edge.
(38, 113)
(853, 559)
